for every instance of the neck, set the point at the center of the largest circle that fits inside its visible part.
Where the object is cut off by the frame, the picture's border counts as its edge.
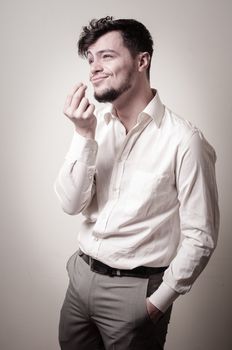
(133, 102)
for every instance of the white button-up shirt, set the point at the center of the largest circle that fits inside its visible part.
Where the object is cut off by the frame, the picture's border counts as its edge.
(149, 197)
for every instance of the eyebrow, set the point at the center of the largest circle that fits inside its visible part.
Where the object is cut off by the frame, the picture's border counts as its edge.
(102, 51)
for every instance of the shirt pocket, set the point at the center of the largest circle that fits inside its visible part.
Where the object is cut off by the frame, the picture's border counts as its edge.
(146, 193)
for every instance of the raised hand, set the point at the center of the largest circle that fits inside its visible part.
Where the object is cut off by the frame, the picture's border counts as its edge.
(78, 109)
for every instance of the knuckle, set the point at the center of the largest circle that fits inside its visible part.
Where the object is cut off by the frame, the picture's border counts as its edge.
(87, 115)
(79, 91)
(68, 112)
(92, 108)
(75, 97)
(78, 85)
(75, 87)
(77, 114)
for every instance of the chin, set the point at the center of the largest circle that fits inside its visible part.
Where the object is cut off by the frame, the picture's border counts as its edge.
(106, 95)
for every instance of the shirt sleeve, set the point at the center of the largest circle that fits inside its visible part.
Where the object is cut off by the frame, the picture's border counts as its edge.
(199, 219)
(75, 185)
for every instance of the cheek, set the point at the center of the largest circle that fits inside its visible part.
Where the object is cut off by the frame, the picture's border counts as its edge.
(117, 69)
(120, 73)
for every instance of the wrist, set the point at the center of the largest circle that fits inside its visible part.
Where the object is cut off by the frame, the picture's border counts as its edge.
(153, 312)
(86, 133)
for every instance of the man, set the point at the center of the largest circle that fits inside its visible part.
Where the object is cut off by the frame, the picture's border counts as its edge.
(144, 180)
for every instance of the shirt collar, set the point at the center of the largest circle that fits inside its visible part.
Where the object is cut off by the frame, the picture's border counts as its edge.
(154, 110)
(109, 113)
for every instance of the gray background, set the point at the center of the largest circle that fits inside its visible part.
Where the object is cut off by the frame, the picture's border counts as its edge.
(39, 64)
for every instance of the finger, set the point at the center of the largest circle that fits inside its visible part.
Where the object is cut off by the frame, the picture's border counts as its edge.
(91, 108)
(82, 108)
(77, 97)
(84, 104)
(75, 88)
(70, 95)
(89, 111)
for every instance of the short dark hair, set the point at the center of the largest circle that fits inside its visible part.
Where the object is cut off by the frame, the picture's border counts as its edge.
(136, 36)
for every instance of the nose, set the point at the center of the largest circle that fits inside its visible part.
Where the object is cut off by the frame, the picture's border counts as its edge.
(95, 67)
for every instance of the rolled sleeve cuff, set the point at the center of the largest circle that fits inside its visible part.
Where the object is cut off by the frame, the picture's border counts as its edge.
(82, 149)
(163, 297)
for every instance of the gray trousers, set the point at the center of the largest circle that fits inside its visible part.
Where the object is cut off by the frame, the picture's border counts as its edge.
(109, 313)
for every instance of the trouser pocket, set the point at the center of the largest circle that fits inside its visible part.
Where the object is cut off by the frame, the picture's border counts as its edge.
(148, 287)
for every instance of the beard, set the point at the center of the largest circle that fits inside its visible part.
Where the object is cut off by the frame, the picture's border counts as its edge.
(111, 94)
(108, 95)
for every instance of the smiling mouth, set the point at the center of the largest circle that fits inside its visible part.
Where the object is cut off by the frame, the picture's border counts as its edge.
(98, 79)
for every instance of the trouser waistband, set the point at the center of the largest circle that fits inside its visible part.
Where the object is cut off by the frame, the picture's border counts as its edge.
(140, 271)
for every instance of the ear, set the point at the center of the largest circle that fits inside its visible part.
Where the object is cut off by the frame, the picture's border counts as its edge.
(143, 61)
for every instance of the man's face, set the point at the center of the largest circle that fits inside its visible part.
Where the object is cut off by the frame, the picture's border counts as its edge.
(112, 68)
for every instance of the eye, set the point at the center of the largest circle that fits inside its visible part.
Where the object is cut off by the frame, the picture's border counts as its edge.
(107, 56)
(89, 58)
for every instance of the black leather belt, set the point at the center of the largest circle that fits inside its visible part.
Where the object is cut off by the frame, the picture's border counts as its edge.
(140, 271)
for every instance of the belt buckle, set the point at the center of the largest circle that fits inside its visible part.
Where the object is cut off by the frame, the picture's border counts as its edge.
(118, 273)
(96, 266)
(114, 272)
